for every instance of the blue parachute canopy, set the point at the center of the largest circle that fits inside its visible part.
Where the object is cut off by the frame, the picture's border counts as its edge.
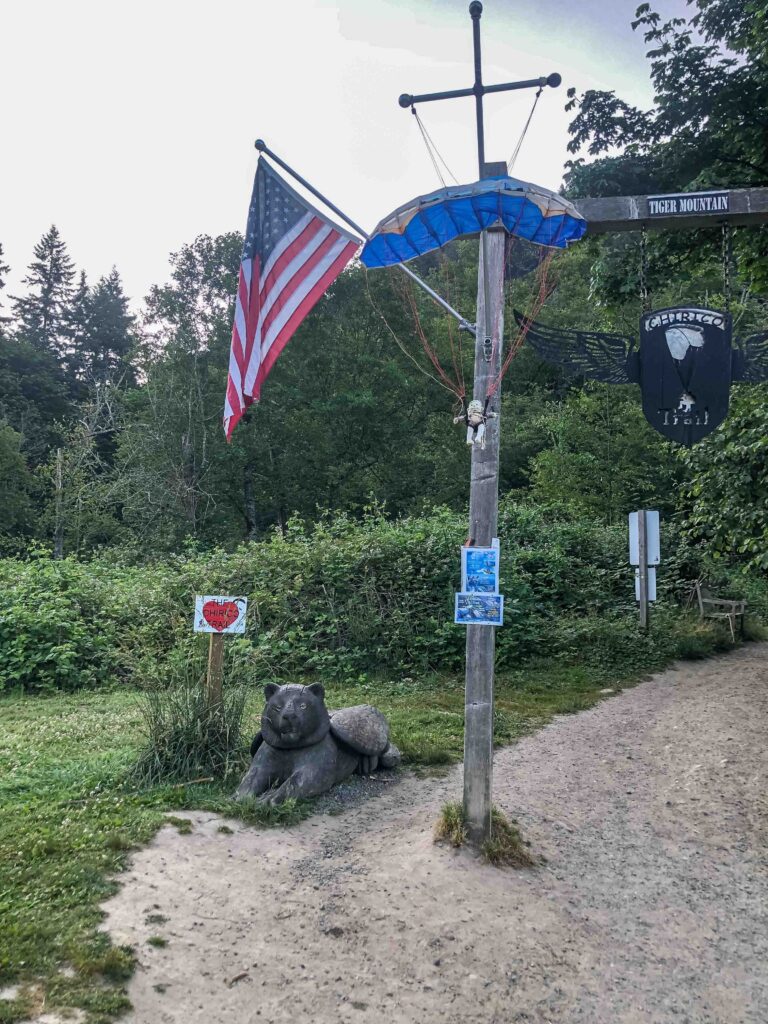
(429, 222)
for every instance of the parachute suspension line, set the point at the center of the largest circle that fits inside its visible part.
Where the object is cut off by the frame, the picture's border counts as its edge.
(727, 257)
(544, 290)
(526, 126)
(446, 381)
(643, 270)
(429, 351)
(457, 355)
(434, 152)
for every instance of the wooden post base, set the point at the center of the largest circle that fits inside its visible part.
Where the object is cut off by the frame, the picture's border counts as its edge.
(215, 669)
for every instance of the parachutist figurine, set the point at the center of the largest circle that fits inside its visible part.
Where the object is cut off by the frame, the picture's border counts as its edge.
(476, 418)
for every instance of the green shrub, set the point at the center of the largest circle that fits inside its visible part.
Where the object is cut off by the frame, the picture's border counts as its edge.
(695, 639)
(51, 636)
(346, 597)
(753, 630)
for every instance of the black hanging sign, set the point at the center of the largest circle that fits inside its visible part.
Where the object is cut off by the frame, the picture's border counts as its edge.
(680, 203)
(684, 365)
(685, 371)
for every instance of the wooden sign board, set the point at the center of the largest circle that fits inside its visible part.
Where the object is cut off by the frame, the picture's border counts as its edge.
(218, 614)
(675, 211)
(679, 204)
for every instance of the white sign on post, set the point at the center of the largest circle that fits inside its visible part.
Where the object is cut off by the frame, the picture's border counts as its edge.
(651, 584)
(220, 614)
(652, 538)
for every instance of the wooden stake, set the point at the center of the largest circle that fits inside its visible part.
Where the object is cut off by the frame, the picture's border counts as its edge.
(215, 669)
(483, 522)
(642, 546)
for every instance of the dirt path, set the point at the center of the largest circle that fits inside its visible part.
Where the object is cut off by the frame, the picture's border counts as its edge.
(651, 908)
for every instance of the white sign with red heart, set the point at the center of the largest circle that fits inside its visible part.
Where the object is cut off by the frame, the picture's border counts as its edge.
(220, 614)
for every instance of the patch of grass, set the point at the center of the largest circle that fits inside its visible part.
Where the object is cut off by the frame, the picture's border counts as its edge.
(695, 640)
(157, 941)
(182, 825)
(291, 812)
(450, 827)
(12, 1010)
(505, 848)
(187, 737)
(114, 963)
(118, 841)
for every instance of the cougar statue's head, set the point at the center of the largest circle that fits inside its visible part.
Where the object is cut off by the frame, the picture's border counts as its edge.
(294, 716)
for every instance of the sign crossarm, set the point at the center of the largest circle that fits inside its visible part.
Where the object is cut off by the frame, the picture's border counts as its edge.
(676, 211)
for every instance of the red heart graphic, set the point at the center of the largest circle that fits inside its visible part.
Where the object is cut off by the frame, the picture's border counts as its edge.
(220, 614)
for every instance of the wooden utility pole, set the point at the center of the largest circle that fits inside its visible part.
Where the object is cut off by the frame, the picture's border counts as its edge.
(484, 485)
(483, 524)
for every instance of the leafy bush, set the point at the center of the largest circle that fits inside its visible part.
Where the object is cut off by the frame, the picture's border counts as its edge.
(346, 597)
(51, 635)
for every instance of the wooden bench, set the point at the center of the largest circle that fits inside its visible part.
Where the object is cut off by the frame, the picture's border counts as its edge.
(721, 608)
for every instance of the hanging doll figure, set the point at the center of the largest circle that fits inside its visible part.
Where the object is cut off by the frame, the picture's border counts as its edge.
(476, 418)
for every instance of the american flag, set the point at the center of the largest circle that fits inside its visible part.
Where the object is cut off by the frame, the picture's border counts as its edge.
(292, 254)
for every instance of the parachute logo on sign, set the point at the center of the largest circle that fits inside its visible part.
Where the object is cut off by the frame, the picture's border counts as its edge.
(685, 371)
(684, 364)
(680, 339)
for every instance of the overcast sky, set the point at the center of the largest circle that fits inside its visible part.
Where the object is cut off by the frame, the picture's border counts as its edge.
(130, 123)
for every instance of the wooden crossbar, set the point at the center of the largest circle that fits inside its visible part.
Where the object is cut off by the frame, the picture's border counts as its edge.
(676, 211)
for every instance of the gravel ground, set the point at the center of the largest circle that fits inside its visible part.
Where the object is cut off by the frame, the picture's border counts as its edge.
(651, 905)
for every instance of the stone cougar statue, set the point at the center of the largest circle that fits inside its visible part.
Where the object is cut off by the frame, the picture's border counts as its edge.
(302, 749)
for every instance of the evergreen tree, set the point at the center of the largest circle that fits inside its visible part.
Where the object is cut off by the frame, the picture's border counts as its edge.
(4, 268)
(42, 314)
(4, 320)
(33, 396)
(16, 484)
(79, 328)
(109, 337)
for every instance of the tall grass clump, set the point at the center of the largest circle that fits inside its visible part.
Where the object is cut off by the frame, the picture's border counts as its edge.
(505, 847)
(187, 737)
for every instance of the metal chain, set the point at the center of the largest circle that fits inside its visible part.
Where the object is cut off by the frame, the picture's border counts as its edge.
(644, 301)
(727, 256)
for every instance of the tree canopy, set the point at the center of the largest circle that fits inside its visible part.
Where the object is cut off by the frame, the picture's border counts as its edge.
(132, 393)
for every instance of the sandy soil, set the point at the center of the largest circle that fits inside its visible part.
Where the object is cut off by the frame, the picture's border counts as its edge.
(652, 906)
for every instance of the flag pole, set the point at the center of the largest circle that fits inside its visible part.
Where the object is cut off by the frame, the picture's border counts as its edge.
(464, 324)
